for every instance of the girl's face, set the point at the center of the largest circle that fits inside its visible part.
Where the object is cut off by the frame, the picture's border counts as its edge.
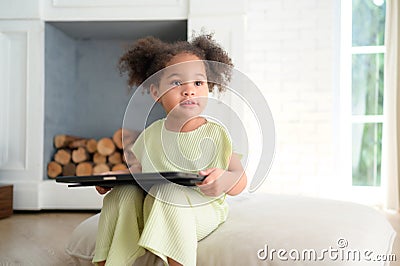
(183, 88)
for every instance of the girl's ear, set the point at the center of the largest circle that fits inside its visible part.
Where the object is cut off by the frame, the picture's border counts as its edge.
(154, 92)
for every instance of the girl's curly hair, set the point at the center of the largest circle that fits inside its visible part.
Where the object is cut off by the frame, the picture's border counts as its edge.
(149, 55)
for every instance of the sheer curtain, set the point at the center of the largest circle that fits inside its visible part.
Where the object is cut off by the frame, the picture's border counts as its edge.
(391, 130)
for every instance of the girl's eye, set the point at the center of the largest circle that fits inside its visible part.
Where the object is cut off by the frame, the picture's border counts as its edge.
(176, 83)
(198, 83)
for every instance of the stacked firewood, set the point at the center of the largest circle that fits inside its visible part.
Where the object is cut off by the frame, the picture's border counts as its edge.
(82, 156)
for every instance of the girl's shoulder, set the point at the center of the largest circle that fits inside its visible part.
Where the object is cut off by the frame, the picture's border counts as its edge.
(215, 125)
(155, 126)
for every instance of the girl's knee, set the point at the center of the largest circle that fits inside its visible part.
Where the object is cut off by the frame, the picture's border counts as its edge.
(164, 188)
(127, 192)
(170, 193)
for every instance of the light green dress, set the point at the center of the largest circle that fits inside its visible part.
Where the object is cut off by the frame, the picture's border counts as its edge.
(170, 219)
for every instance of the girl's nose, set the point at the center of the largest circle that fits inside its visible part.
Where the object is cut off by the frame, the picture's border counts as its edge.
(188, 93)
(189, 90)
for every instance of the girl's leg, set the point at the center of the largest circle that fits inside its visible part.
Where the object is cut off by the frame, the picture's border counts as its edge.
(172, 227)
(120, 225)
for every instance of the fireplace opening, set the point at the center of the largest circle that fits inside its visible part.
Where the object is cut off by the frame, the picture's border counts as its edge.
(85, 95)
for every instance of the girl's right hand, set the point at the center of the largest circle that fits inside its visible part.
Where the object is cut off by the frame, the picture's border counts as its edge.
(104, 190)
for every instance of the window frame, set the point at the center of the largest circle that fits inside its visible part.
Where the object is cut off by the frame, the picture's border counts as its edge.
(371, 195)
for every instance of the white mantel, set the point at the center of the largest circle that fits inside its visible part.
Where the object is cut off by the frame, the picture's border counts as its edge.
(22, 79)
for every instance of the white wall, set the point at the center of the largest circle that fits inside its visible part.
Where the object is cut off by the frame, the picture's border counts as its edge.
(289, 54)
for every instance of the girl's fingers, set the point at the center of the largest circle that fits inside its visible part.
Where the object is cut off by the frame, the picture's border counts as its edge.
(207, 171)
(208, 181)
(102, 190)
(208, 174)
(210, 191)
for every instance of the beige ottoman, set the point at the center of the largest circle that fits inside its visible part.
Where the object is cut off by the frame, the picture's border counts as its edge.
(266, 229)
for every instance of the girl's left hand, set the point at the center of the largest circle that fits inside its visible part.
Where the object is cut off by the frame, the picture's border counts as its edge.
(212, 185)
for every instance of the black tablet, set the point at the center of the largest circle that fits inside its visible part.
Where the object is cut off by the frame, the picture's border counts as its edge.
(143, 179)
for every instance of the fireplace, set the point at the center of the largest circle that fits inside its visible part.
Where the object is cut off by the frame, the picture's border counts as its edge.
(84, 93)
(59, 75)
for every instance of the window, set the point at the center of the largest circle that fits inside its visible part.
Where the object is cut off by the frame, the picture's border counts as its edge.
(361, 95)
(368, 28)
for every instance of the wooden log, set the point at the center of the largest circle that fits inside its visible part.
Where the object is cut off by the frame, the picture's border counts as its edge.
(80, 155)
(117, 138)
(62, 141)
(99, 158)
(91, 145)
(105, 146)
(101, 168)
(62, 156)
(115, 158)
(54, 169)
(120, 166)
(78, 143)
(69, 169)
(85, 168)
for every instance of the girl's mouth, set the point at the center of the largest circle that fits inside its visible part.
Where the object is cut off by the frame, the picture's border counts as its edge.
(188, 103)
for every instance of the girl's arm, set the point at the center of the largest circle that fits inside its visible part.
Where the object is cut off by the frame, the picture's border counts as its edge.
(232, 181)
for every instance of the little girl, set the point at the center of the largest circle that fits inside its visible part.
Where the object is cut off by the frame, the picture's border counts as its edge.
(132, 221)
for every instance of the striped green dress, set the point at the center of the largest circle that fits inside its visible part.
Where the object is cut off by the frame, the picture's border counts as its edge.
(170, 219)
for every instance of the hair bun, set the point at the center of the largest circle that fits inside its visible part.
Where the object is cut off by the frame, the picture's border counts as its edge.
(219, 74)
(137, 61)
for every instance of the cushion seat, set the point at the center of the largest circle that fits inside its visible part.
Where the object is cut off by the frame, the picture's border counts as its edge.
(268, 229)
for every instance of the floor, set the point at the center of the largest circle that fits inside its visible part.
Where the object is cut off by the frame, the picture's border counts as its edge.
(39, 238)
